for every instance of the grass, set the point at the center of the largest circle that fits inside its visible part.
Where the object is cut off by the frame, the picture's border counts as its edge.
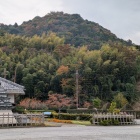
(81, 122)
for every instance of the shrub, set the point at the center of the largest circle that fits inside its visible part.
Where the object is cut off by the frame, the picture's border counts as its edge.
(104, 122)
(80, 111)
(19, 109)
(41, 111)
(120, 100)
(60, 121)
(85, 116)
(113, 109)
(91, 120)
(116, 122)
(86, 104)
(55, 115)
(109, 122)
(97, 102)
(66, 116)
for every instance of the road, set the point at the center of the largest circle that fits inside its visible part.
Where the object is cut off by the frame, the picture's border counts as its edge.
(71, 132)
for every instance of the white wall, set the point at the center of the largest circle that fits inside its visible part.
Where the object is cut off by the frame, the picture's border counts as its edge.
(12, 98)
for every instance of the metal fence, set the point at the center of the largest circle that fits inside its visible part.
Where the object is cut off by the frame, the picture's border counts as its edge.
(21, 120)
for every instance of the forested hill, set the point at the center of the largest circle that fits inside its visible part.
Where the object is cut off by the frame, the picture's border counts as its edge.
(47, 63)
(73, 28)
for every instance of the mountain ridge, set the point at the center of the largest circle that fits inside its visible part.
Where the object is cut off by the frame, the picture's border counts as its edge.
(72, 27)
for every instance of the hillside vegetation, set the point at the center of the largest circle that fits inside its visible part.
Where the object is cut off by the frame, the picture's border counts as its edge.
(46, 63)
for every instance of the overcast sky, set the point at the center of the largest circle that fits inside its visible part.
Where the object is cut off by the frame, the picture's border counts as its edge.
(121, 17)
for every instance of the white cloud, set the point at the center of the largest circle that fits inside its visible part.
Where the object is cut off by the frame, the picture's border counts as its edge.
(119, 16)
(23, 10)
(135, 37)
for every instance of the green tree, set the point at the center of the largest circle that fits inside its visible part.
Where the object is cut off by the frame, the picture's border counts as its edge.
(97, 102)
(120, 100)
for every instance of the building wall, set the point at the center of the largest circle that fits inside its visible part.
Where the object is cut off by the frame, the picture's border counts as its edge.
(12, 98)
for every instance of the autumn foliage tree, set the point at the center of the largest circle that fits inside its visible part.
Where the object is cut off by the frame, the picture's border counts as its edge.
(59, 101)
(28, 103)
(62, 50)
(62, 70)
(66, 81)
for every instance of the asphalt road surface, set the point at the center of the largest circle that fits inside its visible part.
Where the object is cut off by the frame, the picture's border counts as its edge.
(71, 132)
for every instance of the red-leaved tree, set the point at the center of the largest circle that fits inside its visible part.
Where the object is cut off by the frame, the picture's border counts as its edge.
(32, 104)
(59, 101)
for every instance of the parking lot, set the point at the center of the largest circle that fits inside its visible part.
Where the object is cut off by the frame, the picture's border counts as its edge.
(73, 132)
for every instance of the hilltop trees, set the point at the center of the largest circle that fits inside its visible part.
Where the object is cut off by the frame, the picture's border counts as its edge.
(73, 27)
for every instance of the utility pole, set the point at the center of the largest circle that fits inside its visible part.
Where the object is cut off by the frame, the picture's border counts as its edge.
(15, 76)
(16, 68)
(77, 88)
(4, 73)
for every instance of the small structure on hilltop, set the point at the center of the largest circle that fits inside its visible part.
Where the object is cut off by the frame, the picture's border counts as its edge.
(8, 90)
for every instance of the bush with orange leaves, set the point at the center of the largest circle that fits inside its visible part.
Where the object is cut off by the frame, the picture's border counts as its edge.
(86, 104)
(60, 121)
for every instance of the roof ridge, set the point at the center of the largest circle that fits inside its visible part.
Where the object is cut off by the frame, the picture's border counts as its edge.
(10, 82)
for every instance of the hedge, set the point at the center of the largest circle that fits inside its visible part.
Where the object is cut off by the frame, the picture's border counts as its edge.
(66, 116)
(87, 111)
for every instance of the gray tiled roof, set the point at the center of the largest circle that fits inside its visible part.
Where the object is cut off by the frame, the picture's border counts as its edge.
(10, 82)
(8, 87)
(2, 90)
